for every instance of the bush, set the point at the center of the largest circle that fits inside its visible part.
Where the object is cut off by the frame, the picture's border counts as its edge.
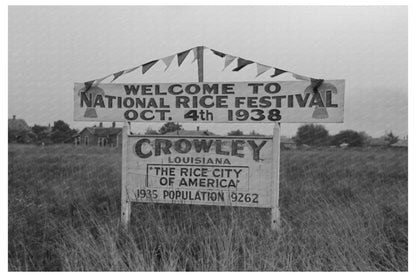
(351, 137)
(312, 135)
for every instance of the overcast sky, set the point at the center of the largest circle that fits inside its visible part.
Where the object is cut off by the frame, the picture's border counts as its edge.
(50, 48)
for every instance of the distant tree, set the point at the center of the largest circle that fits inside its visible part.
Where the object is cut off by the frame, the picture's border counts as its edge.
(254, 133)
(353, 138)
(312, 135)
(390, 138)
(42, 132)
(366, 137)
(61, 131)
(237, 132)
(170, 127)
(150, 131)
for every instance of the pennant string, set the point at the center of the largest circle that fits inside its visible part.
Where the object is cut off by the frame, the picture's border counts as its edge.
(147, 66)
(88, 85)
(241, 63)
(261, 68)
(182, 56)
(277, 72)
(168, 60)
(228, 60)
(195, 54)
(116, 75)
(218, 53)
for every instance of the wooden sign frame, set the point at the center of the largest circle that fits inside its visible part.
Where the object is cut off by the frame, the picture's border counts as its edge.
(275, 184)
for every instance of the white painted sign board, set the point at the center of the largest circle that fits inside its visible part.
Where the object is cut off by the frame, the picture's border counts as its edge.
(208, 102)
(200, 170)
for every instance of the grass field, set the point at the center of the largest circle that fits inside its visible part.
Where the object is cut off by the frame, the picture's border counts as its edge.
(343, 210)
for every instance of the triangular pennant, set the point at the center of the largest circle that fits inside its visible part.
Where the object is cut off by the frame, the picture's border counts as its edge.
(98, 81)
(315, 83)
(195, 50)
(300, 77)
(261, 68)
(168, 61)
(147, 66)
(116, 75)
(277, 72)
(182, 56)
(241, 63)
(222, 55)
(88, 85)
(228, 60)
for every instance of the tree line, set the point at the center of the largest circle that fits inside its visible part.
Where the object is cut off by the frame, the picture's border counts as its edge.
(38, 134)
(307, 134)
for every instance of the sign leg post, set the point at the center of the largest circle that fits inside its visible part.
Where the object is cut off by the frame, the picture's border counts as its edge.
(200, 59)
(275, 214)
(125, 203)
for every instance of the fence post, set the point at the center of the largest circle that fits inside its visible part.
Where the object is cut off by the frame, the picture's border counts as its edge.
(125, 202)
(275, 214)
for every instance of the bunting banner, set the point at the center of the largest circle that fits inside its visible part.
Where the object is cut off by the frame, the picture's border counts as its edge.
(148, 65)
(131, 69)
(98, 81)
(182, 56)
(277, 72)
(261, 68)
(116, 75)
(300, 77)
(228, 60)
(241, 63)
(88, 85)
(222, 55)
(168, 60)
(195, 51)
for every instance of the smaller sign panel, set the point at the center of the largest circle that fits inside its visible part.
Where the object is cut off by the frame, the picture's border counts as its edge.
(202, 170)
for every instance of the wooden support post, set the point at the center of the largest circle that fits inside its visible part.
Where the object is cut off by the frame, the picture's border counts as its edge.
(275, 215)
(200, 59)
(125, 202)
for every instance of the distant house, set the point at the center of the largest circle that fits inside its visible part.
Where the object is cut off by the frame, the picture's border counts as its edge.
(196, 132)
(19, 131)
(378, 142)
(287, 143)
(99, 136)
(401, 143)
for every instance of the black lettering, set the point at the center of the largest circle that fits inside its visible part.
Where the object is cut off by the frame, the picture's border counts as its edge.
(207, 89)
(227, 88)
(302, 101)
(272, 88)
(256, 148)
(316, 100)
(328, 97)
(167, 144)
(131, 89)
(180, 143)
(86, 99)
(172, 91)
(202, 145)
(138, 149)
(131, 115)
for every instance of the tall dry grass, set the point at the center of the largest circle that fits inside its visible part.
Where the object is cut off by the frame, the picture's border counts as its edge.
(341, 210)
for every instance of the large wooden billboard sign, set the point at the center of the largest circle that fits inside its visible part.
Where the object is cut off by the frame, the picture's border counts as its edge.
(241, 102)
(206, 170)
(203, 170)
